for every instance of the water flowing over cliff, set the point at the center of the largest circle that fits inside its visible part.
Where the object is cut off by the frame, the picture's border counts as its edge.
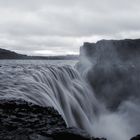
(99, 95)
(111, 67)
(59, 87)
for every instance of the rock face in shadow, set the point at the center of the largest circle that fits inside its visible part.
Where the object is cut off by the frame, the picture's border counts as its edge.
(112, 69)
(20, 120)
(70, 133)
(136, 138)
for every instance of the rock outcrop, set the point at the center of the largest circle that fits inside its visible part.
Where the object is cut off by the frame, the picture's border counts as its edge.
(136, 138)
(112, 69)
(20, 120)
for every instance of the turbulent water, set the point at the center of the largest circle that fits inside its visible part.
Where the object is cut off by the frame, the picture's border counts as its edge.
(51, 85)
(61, 86)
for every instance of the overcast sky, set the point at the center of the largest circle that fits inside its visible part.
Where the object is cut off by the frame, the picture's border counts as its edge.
(56, 27)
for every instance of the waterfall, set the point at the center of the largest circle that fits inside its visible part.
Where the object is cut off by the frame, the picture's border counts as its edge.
(59, 86)
(63, 88)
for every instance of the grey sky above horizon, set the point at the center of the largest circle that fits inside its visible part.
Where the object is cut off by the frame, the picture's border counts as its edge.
(59, 27)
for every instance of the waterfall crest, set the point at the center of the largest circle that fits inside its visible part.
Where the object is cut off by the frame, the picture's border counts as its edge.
(59, 86)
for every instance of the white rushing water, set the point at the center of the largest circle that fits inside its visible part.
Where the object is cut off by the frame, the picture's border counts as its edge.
(51, 85)
(61, 86)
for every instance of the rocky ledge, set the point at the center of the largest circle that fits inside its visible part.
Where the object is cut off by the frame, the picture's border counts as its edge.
(20, 120)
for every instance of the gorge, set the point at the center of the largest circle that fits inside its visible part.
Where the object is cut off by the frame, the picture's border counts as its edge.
(99, 97)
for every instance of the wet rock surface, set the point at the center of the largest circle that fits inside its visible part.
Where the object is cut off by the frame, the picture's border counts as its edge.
(20, 120)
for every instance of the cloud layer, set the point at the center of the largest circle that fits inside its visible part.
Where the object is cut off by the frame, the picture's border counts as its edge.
(56, 27)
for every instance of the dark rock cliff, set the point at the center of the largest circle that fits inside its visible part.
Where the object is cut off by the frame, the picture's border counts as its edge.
(136, 138)
(113, 69)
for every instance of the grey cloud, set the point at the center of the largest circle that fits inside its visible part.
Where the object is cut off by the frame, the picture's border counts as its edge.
(45, 24)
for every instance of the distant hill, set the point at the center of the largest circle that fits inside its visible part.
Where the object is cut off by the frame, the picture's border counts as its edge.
(6, 54)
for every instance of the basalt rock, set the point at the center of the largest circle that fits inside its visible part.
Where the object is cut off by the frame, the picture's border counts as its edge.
(112, 69)
(70, 133)
(20, 120)
(136, 138)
